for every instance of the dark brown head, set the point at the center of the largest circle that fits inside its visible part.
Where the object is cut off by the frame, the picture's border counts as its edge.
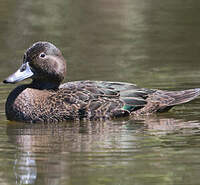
(44, 63)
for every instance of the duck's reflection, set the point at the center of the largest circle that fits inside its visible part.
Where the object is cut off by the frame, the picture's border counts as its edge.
(48, 151)
(25, 168)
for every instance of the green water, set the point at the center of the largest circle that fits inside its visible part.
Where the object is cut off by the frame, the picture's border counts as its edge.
(154, 44)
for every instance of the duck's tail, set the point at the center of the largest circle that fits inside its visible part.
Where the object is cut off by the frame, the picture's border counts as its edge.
(173, 98)
(179, 97)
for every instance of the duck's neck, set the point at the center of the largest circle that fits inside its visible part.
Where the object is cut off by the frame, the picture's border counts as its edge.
(44, 85)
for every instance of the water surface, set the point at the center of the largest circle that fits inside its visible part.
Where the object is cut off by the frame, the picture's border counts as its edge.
(154, 44)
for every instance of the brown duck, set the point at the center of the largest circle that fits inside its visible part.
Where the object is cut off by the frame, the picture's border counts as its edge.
(45, 100)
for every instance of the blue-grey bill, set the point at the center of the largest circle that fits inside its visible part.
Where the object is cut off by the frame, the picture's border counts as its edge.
(22, 73)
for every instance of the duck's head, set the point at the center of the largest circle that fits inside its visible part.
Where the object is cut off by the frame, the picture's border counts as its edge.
(44, 63)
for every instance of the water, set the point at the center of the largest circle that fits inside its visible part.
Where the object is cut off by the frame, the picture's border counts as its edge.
(154, 44)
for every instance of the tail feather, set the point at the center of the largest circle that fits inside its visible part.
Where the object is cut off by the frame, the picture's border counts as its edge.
(179, 97)
(168, 99)
(156, 100)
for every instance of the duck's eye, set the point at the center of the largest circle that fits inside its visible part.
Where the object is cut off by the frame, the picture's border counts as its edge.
(42, 55)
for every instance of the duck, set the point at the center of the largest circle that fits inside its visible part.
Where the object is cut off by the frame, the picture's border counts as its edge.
(45, 99)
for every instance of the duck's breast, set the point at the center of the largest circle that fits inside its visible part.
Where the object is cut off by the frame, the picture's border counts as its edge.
(26, 104)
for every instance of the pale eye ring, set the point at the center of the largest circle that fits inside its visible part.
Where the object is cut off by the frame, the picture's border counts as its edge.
(42, 55)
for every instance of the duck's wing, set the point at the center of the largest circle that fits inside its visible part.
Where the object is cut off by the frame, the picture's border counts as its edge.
(115, 95)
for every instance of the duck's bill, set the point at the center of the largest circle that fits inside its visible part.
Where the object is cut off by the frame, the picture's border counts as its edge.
(22, 73)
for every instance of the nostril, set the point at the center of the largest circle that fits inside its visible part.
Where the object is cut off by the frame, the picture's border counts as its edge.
(23, 68)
